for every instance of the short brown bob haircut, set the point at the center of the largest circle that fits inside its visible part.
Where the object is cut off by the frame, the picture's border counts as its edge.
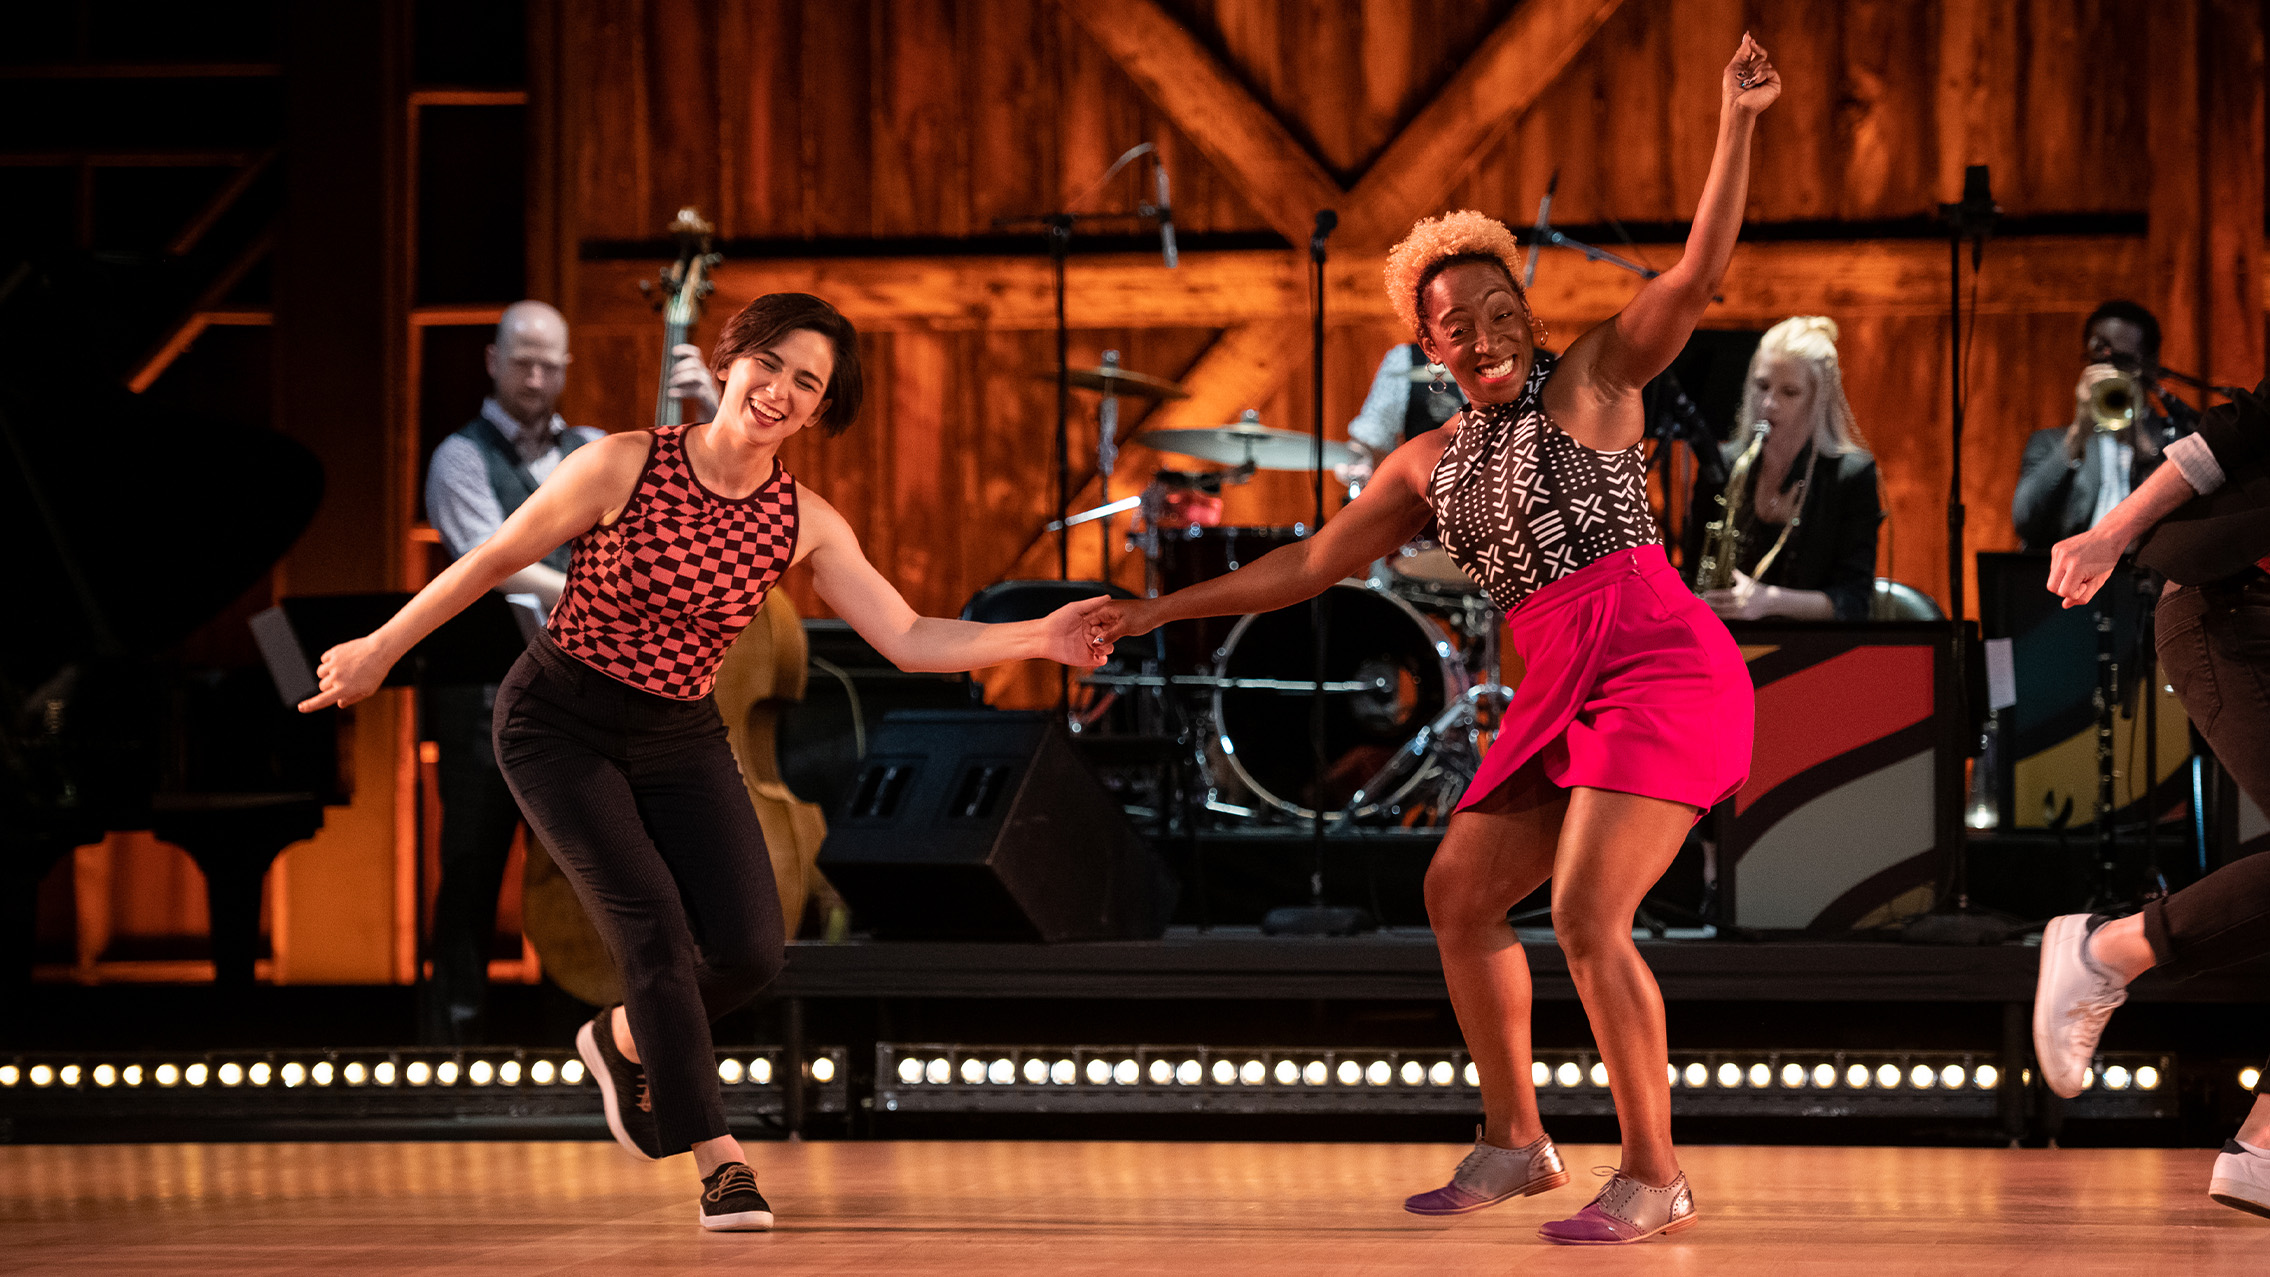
(772, 316)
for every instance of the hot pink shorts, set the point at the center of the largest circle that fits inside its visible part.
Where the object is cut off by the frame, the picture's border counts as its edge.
(1629, 683)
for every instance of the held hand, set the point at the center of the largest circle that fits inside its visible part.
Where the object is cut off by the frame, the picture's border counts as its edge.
(2078, 566)
(690, 378)
(1751, 84)
(347, 673)
(1074, 633)
(1128, 618)
(1745, 600)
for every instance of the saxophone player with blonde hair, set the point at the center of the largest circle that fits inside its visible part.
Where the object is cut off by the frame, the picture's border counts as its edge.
(1806, 526)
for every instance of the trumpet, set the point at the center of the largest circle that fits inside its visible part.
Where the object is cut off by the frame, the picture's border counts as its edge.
(2113, 403)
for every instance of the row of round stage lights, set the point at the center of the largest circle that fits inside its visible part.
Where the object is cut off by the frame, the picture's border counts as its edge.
(322, 1073)
(1002, 1071)
(974, 1071)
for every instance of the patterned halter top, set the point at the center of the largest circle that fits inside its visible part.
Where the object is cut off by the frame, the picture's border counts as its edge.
(655, 598)
(1521, 504)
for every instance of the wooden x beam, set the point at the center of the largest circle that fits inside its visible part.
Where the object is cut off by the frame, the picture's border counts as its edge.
(1283, 181)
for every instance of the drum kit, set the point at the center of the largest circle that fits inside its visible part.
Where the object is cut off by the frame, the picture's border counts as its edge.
(1411, 666)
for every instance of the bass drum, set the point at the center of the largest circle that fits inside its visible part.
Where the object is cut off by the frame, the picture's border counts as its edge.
(1188, 555)
(1408, 670)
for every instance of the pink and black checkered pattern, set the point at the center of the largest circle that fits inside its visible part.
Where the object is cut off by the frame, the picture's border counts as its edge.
(657, 597)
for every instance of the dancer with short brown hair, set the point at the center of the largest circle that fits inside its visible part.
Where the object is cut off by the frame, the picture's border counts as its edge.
(606, 731)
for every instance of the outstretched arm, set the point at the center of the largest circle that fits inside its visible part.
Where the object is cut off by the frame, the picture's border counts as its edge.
(911, 641)
(590, 484)
(2078, 565)
(1390, 512)
(1617, 358)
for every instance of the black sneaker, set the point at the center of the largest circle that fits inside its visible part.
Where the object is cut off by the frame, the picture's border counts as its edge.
(622, 1088)
(730, 1202)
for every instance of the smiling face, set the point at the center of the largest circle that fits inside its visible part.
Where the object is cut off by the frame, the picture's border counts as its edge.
(779, 390)
(1783, 391)
(1478, 328)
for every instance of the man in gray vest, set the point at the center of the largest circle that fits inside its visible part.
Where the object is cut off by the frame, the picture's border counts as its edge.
(479, 476)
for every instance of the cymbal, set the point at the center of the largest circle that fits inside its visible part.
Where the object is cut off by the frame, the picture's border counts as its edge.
(1119, 381)
(1244, 442)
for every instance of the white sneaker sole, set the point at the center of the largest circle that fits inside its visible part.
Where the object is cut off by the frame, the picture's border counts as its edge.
(2240, 1195)
(2056, 944)
(587, 1046)
(748, 1221)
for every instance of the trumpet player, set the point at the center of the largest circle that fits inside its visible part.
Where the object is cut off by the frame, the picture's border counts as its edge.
(2074, 474)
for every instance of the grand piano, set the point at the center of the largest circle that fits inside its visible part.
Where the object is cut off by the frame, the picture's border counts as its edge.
(133, 526)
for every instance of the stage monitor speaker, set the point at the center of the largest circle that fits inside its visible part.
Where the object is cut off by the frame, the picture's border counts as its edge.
(1853, 801)
(985, 824)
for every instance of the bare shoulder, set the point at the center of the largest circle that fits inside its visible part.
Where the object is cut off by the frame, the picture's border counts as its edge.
(616, 456)
(1417, 458)
(1586, 402)
(818, 523)
(601, 476)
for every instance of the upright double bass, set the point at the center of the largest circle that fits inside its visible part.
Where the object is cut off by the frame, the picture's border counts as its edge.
(685, 286)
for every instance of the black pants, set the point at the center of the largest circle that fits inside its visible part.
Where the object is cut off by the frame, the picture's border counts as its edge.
(478, 819)
(2214, 641)
(643, 807)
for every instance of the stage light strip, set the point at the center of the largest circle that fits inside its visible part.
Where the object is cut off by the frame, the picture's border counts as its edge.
(937, 1077)
(317, 1082)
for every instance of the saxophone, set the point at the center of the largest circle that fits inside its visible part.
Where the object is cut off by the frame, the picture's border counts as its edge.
(1722, 536)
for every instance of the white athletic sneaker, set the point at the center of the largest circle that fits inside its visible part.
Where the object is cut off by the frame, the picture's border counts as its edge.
(2072, 1001)
(2242, 1180)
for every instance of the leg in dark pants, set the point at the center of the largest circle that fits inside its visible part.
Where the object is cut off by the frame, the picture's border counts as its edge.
(2215, 643)
(478, 818)
(641, 803)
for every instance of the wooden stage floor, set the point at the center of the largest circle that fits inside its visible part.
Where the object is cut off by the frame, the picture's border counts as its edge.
(900, 1209)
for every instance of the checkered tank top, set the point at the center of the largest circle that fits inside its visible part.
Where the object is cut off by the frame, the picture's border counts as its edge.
(1521, 504)
(655, 598)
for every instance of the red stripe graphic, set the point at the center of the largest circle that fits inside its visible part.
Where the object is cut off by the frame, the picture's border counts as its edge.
(1824, 710)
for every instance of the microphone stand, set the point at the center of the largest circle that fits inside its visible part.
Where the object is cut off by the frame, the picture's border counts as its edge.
(1317, 918)
(1953, 920)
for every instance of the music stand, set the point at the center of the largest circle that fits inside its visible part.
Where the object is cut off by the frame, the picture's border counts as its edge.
(478, 645)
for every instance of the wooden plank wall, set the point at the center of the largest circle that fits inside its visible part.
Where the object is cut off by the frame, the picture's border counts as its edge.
(841, 121)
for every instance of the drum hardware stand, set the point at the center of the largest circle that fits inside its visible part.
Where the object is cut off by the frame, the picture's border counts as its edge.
(1317, 918)
(1058, 226)
(2107, 696)
(1107, 457)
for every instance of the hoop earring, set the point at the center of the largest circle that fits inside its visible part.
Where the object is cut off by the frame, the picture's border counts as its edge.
(1438, 385)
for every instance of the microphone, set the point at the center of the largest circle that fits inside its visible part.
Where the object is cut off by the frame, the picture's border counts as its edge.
(1326, 221)
(1537, 234)
(1166, 214)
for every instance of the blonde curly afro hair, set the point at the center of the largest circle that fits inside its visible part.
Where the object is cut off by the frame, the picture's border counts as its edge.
(1437, 242)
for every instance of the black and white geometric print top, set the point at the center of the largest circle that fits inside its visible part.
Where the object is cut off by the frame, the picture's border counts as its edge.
(1521, 504)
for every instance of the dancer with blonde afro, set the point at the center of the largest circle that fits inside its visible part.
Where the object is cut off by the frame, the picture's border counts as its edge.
(1634, 714)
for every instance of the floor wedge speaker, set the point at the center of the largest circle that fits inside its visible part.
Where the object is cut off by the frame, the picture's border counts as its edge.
(985, 824)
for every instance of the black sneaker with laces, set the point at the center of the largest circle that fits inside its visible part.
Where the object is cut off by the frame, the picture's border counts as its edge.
(622, 1088)
(730, 1202)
